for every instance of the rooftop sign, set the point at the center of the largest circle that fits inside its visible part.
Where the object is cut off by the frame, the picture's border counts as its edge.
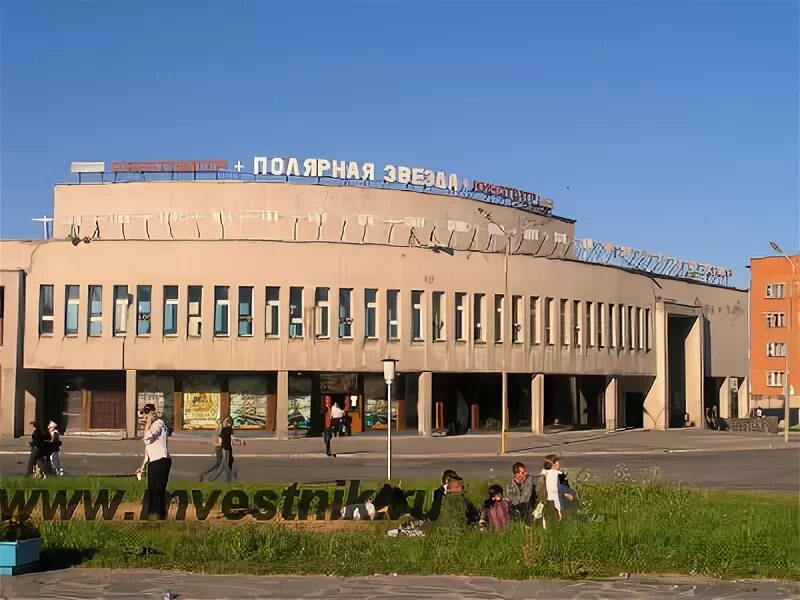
(171, 166)
(87, 167)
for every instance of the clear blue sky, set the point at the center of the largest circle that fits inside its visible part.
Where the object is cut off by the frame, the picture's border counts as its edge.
(674, 124)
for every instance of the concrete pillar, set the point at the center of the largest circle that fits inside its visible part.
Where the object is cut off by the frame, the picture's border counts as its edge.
(8, 401)
(574, 400)
(282, 407)
(656, 402)
(695, 374)
(504, 409)
(744, 397)
(611, 403)
(537, 403)
(725, 398)
(130, 403)
(425, 403)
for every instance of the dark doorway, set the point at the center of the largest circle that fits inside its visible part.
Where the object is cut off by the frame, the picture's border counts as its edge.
(634, 410)
(678, 328)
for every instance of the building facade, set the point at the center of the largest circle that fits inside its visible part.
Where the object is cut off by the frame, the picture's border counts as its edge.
(257, 299)
(774, 332)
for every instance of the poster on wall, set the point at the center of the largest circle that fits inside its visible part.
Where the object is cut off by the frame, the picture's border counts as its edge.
(143, 398)
(248, 402)
(201, 410)
(375, 413)
(299, 412)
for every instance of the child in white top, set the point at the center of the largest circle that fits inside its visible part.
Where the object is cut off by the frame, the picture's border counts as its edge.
(551, 473)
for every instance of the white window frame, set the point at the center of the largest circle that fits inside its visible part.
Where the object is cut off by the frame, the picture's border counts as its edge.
(623, 326)
(600, 322)
(550, 334)
(272, 313)
(345, 320)
(438, 312)
(648, 330)
(640, 322)
(393, 325)
(775, 291)
(479, 318)
(92, 318)
(517, 319)
(222, 302)
(564, 322)
(120, 318)
(589, 309)
(140, 315)
(418, 312)
(775, 378)
(776, 320)
(48, 318)
(371, 308)
(461, 310)
(534, 310)
(76, 302)
(244, 317)
(296, 315)
(776, 349)
(612, 325)
(168, 302)
(194, 313)
(322, 313)
(577, 323)
(499, 317)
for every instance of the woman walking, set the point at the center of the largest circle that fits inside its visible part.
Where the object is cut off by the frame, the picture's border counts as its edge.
(226, 441)
(157, 462)
(55, 444)
(217, 452)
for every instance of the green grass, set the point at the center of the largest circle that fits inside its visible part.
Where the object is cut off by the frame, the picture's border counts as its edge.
(625, 527)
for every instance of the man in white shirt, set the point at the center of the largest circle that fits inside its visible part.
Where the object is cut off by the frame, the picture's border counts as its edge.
(157, 461)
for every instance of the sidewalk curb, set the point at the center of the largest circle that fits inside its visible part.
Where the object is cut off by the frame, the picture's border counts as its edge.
(453, 455)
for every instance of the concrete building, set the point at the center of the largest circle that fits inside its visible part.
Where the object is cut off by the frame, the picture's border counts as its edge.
(258, 298)
(774, 333)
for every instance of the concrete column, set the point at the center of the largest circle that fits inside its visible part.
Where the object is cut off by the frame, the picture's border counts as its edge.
(744, 397)
(537, 403)
(425, 403)
(725, 398)
(611, 403)
(656, 402)
(282, 407)
(574, 400)
(695, 373)
(8, 401)
(130, 403)
(504, 398)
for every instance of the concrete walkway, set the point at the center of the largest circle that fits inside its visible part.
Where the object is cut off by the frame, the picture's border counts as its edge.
(573, 443)
(142, 584)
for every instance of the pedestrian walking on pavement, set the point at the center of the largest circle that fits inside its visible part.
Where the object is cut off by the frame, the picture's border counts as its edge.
(39, 452)
(217, 452)
(55, 445)
(331, 423)
(227, 439)
(157, 462)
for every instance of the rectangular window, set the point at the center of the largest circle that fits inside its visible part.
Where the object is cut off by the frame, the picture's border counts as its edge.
(478, 309)
(648, 330)
(143, 309)
(640, 324)
(612, 326)
(194, 312)
(45, 310)
(295, 312)
(120, 323)
(272, 323)
(631, 329)
(563, 324)
(550, 335)
(416, 315)
(776, 319)
(245, 311)
(345, 313)
(438, 316)
(461, 317)
(533, 320)
(222, 316)
(600, 320)
(590, 324)
(322, 312)
(577, 324)
(95, 310)
(171, 310)
(71, 310)
(499, 317)
(393, 314)
(517, 310)
(776, 290)
(775, 378)
(776, 349)
(371, 313)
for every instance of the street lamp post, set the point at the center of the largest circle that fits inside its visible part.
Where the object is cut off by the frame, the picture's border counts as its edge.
(786, 385)
(388, 375)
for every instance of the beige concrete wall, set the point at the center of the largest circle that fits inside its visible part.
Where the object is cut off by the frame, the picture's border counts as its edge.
(282, 211)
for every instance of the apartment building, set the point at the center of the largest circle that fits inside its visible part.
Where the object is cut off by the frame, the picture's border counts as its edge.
(257, 299)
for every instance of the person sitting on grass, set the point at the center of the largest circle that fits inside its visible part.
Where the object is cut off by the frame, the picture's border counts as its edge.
(495, 510)
(457, 513)
(438, 495)
(556, 495)
(521, 494)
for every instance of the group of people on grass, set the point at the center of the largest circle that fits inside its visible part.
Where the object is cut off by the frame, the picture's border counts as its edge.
(44, 458)
(547, 498)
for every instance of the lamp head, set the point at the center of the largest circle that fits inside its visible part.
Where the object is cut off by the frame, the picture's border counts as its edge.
(389, 370)
(776, 247)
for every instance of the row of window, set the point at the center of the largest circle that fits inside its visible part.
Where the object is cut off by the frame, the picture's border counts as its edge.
(775, 378)
(581, 323)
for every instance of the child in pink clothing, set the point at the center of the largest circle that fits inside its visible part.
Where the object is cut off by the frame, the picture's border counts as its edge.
(495, 509)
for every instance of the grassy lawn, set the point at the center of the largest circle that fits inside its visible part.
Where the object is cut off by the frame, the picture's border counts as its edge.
(624, 527)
